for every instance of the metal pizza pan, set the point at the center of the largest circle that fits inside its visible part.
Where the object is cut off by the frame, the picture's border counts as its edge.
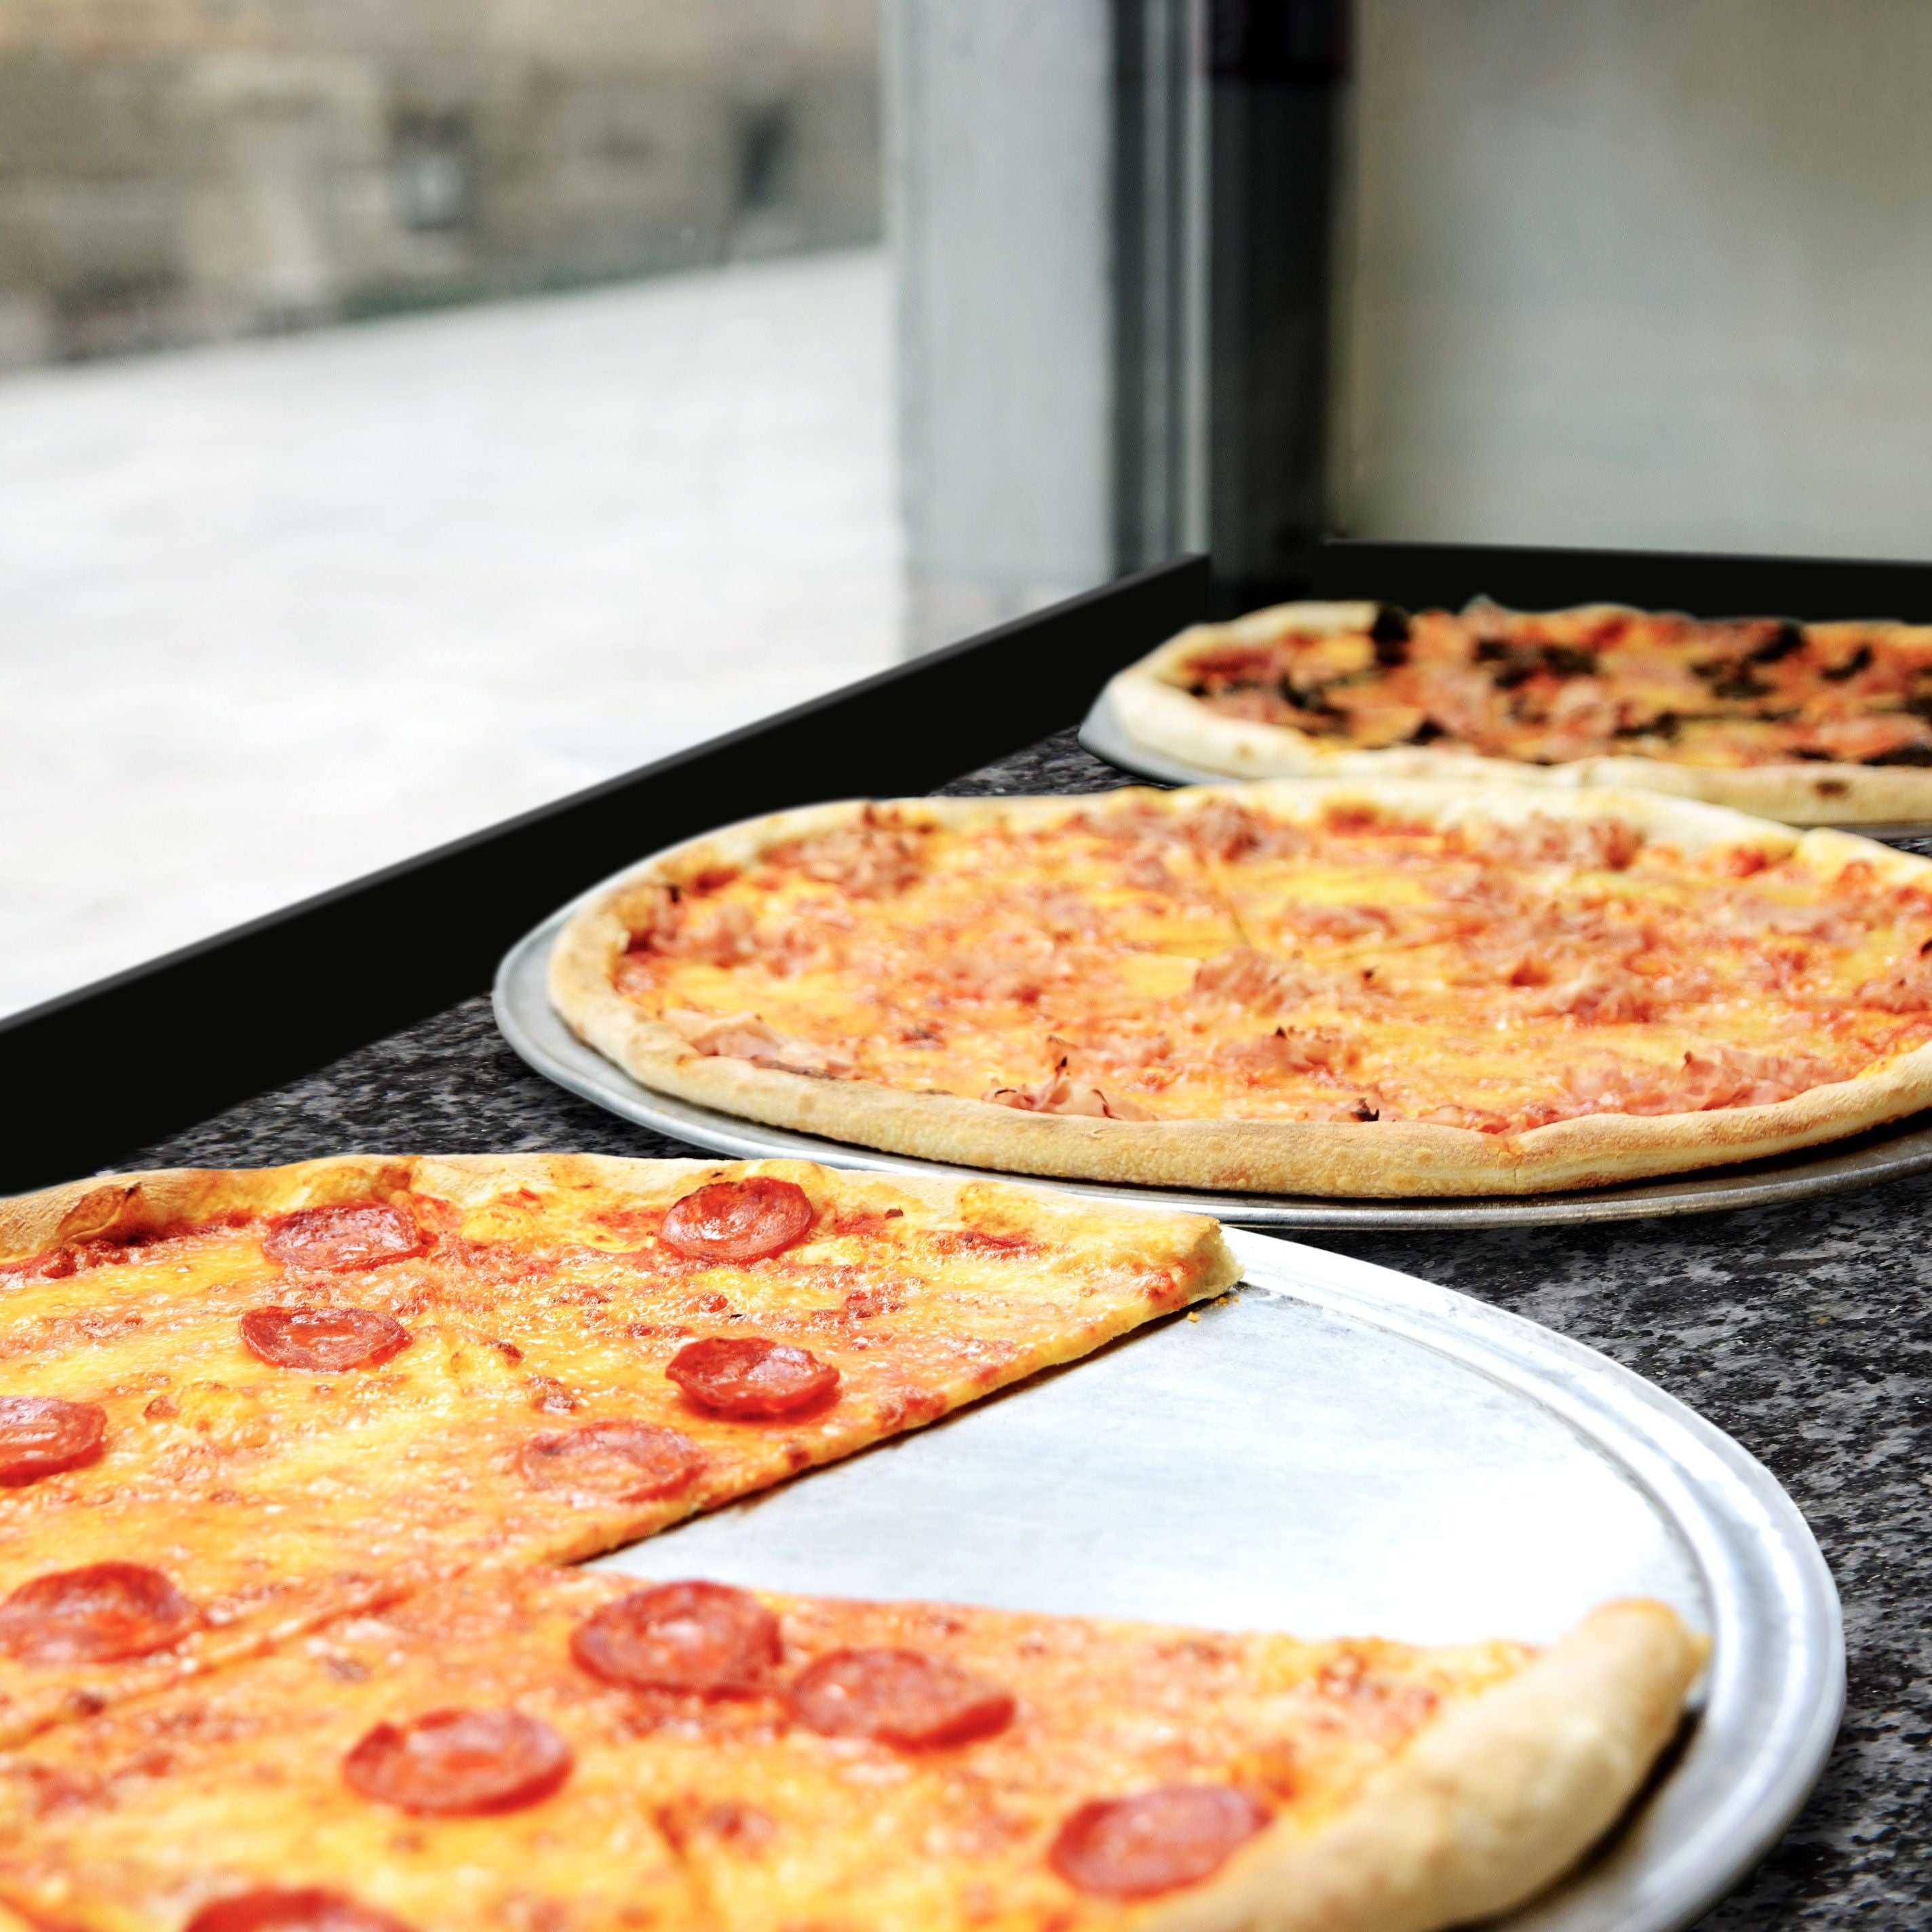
(1337, 1449)
(530, 1023)
(1101, 733)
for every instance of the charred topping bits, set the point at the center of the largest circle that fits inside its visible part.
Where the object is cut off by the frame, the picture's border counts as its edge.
(1551, 688)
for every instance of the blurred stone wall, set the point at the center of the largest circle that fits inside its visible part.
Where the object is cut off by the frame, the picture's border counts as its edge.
(183, 170)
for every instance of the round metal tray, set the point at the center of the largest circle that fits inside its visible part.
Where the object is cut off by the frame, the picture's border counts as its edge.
(1102, 733)
(1365, 1452)
(531, 1025)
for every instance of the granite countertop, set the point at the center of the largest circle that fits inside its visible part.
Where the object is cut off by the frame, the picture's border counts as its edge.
(1804, 1331)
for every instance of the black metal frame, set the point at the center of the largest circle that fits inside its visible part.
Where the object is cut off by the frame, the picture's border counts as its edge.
(97, 1072)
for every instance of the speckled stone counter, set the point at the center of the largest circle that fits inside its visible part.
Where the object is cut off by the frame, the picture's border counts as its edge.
(1803, 1331)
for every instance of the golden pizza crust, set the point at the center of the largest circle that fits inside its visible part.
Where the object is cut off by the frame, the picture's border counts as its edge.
(1151, 705)
(117, 1207)
(1385, 1159)
(1486, 1808)
(120, 1206)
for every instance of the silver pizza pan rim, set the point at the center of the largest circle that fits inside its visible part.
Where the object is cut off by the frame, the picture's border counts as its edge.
(1771, 1596)
(1101, 733)
(524, 1016)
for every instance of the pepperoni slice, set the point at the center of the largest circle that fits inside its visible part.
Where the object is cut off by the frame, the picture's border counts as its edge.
(1133, 1847)
(459, 1763)
(901, 1697)
(303, 1909)
(326, 1339)
(97, 1615)
(745, 1375)
(738, 1220)
(611, 1462)
(706, 1637)
(40, 1435)
(339, 1238)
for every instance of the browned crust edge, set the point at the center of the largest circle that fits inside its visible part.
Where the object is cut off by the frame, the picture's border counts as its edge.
(1485, 1809)
(123, 1206)
(1382, 1159)
(1150, 704)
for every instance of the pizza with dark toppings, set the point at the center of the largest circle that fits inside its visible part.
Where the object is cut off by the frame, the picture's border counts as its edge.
(585, 1754)
(241, 1403)
(1825, 724)
(1394, 988)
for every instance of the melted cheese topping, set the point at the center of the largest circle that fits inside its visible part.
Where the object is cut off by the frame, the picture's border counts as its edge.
(680, 1812)
(1181, 960)
(1564, 685)
(275, 1498)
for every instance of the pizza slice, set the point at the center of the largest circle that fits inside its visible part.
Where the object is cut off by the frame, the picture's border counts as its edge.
(578, 1753)
(239, 1403)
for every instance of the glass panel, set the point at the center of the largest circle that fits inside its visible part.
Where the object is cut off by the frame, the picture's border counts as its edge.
(415, 411)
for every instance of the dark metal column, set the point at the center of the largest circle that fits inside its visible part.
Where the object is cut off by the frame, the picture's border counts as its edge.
(1158, 203)
(1275, 73)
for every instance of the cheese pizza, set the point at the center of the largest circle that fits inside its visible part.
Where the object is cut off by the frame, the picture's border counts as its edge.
(1814, 723)
(1340, 989)
(239, 1403)
(583, 1753)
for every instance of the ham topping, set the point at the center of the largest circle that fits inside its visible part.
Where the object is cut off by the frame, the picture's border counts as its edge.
(1023, 980)
(746, 1036)
(1711, 1077)
(1148, 870)
(1600, 996)
(1060, 1093)
(1604, 844)
(1334, 922)
(1123, 1053)
(1906, 988)
(1249, 978)
(1320, 1050)
(864, 862)
(1226, 831)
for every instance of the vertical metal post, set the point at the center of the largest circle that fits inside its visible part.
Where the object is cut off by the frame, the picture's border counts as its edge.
(1160, 265)
(1275, 69)
(1113, 221)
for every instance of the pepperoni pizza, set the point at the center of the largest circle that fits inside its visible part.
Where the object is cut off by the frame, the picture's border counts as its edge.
(241, 1403)
(1393, 988)
(582, 1753)
(1814, 724)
